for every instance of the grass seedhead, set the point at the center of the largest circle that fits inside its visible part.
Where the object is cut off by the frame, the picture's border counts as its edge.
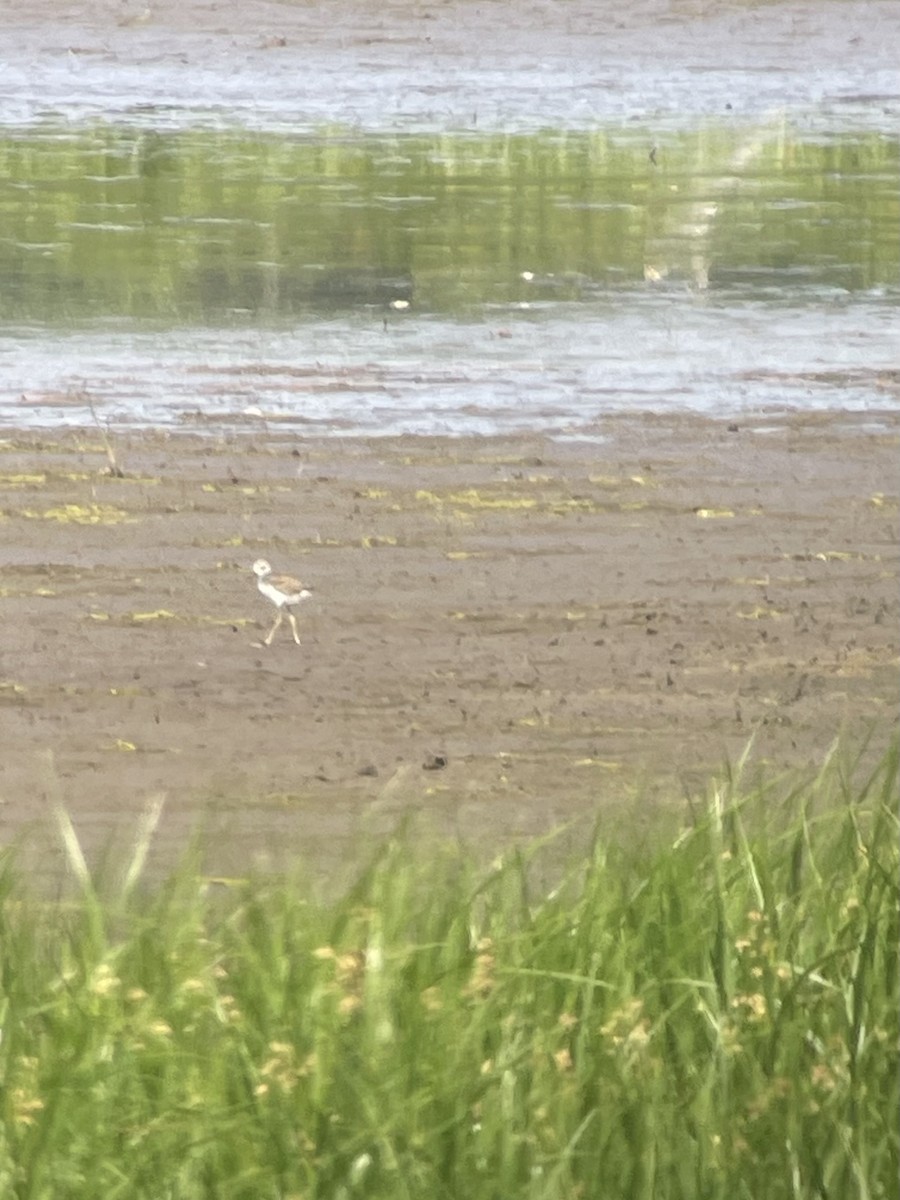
(716, 1016)
(112, 469)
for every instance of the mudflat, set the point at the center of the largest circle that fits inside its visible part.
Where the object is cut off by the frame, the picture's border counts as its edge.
(505, 633)
(658, 33)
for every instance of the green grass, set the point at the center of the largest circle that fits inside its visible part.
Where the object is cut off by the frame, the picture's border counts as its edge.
(717, 1018)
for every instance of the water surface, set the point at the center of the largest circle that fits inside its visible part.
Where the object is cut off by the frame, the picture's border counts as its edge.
(445, 281)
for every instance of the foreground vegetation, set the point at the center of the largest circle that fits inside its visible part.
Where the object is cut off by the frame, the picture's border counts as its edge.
(717, 1018)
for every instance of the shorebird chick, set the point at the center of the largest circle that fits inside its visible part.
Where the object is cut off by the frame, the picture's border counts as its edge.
(284, 591)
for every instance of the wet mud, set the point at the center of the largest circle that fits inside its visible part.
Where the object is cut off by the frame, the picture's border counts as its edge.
(505, 633)
(451, 64)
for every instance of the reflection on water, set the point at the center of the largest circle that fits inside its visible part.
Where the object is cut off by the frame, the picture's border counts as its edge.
(193, 226)
(530, 278)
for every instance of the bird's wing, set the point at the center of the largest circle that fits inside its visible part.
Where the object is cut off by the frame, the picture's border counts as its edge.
(286, 583)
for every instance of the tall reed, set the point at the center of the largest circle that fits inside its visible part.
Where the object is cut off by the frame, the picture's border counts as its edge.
(717, 1018)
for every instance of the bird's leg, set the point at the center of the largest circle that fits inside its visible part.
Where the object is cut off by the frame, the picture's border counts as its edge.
(293, 621)
(267, 640)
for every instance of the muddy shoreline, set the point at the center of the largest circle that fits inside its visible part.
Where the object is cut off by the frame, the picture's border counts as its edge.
(452, 64)
(506, 633)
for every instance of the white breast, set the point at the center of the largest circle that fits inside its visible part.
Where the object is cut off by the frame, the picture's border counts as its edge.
(282, 590)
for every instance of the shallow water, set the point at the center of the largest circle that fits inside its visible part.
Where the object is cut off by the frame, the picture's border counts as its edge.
(191, 248)
(294, 68)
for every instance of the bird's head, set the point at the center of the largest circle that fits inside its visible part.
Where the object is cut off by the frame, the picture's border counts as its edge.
(261, 568)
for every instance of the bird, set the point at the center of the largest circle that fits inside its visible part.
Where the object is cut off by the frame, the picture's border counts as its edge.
(284, 591)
